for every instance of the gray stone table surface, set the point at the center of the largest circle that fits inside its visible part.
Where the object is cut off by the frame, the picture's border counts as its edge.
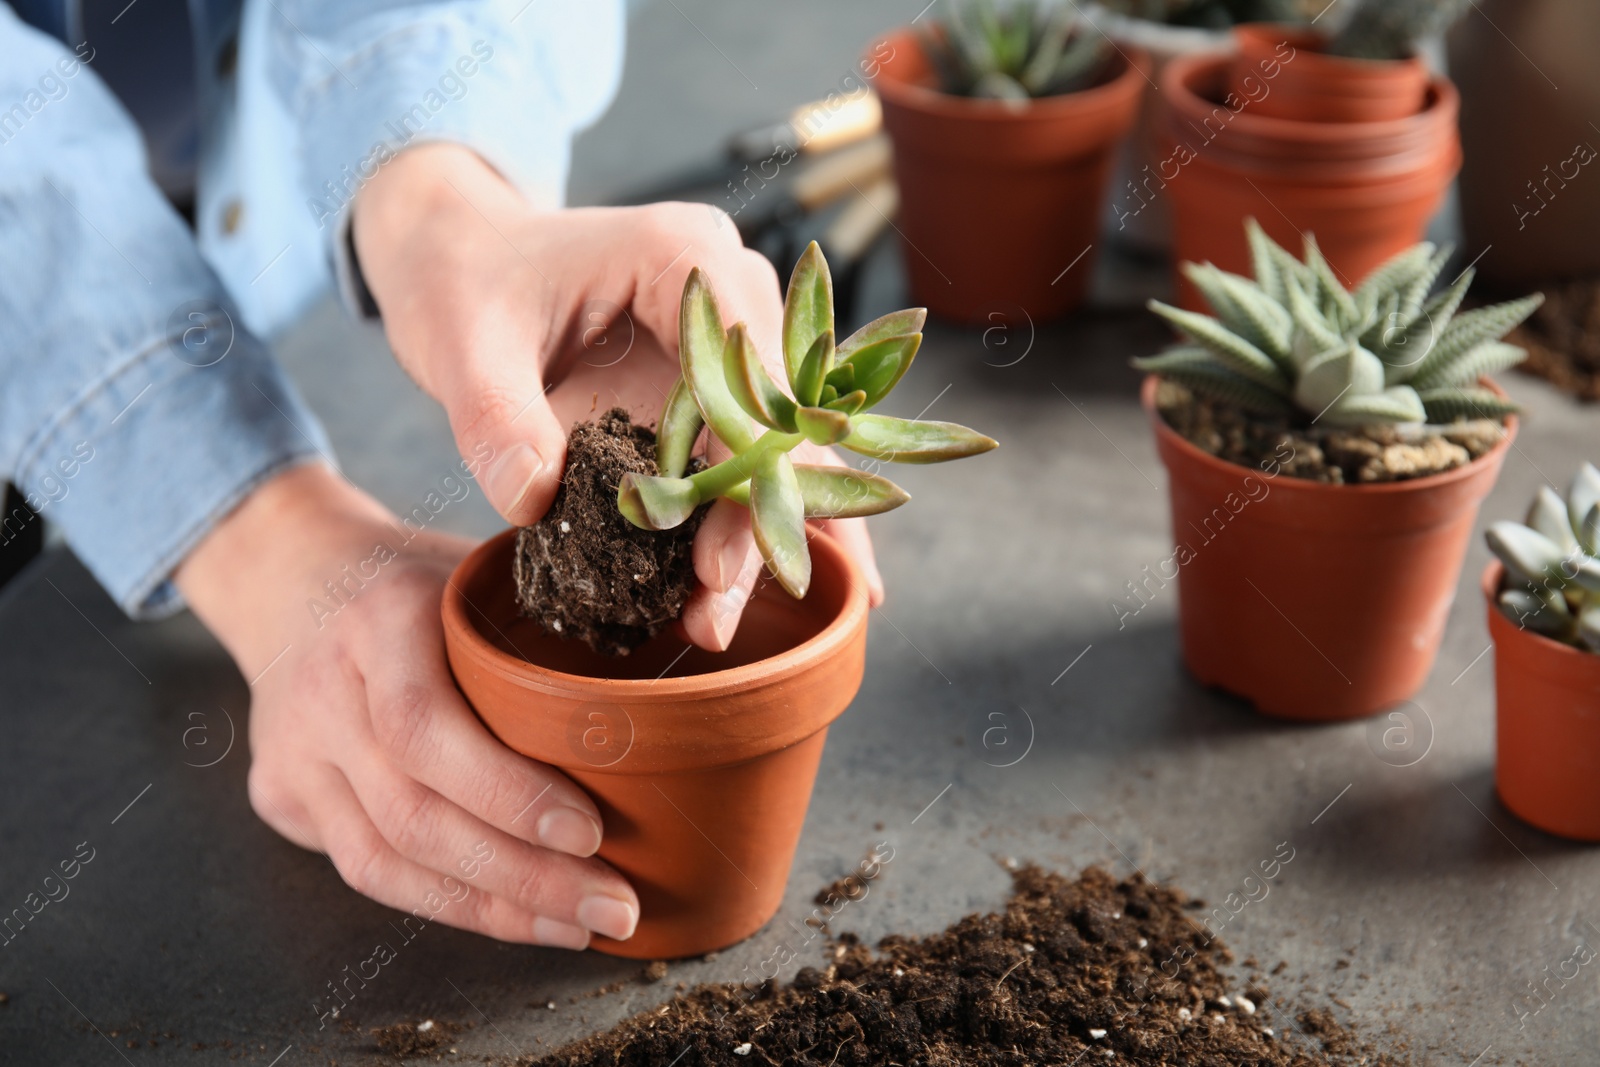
(1413, 897)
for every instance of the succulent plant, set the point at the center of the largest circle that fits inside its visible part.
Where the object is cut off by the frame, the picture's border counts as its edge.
(1211, 14)
(1295, 341)
(832, 390)
(1392, 29)
(1029, 49)
(1552, 562)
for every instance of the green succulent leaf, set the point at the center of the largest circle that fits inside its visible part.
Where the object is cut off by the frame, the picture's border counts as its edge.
(701, 343)
(1546, 615)
(814, 369)
(849, 403)
(1242, 308)
(843, 375)
(1394, 273)
(1589, 627)
(1263, 262)
(1472, 328)
(752, 387)
(677, 431)
(1345, 373)
(807, 315)
(1312, 335)
(1589, 531)
(1398, 403)
(1239, 355)
(1340, 307)
(894, 324)
(822, 426)
(777, 518)
(1486, 359)
(655, 503)
(1452, 403)
(878, 367)
(1529, 556)
(910, 441)
(1198, 371)
(1582, 496)
(846, 493)
(1548, 515)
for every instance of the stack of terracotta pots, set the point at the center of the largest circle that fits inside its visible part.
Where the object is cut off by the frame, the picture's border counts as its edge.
(1358, 152)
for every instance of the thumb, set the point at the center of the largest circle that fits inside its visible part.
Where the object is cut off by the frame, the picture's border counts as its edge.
(516, 445)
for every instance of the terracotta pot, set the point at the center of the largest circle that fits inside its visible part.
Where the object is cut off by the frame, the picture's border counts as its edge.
(1310, 86)
(997, 203)
(1547, 725)
(702, 778)
(1314, 602)
(1366, 190)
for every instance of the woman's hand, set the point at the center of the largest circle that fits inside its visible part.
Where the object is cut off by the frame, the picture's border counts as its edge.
(361, 746)
(522, 322)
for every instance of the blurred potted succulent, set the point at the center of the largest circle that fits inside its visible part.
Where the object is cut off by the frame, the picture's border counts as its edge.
(1351, 138)
(701, 763)
(1327, 450)
(1544, 616)
(1137, 214)
(1004, 124)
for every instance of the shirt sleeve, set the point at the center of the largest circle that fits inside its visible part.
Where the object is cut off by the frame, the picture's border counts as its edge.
(365, 79)
(134, 411)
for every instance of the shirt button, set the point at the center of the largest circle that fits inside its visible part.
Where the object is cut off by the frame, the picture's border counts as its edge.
(232, 217)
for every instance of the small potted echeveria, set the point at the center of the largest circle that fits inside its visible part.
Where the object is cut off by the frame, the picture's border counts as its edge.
(1005, 121)
(701, 763)
(1544, 616)
(1327, 450)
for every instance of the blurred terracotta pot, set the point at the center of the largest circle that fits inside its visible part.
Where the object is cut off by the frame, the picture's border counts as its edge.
(1310, 86)
(1547, 725)
(998, 202)
(702, 778)
(1315, 602)
(1367, 190)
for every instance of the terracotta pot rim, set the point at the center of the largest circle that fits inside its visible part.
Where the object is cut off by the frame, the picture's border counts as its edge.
(1490, 582)
(1147, 399)
(1442, 99)
(1316, 43)
(1127, 65)
(809, 654)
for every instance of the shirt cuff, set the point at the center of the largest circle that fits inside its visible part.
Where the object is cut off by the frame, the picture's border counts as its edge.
(147, 459)
(432, 82)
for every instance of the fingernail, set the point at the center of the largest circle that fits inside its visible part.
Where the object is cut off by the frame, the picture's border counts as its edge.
(511, 475)
(608, 916)
(559, 935)
(569, 830)
(733, 558)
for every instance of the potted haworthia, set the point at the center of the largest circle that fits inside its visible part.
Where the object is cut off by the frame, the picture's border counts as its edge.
(1137, 214)
(701, 763)
(1544, 616)
(1004, 124)
(1327, 450)
(1351, 137)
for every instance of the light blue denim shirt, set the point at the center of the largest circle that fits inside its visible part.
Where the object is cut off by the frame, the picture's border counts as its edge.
(137, 403)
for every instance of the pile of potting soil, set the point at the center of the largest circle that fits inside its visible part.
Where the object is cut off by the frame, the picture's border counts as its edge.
(1334, 455)
(583, 571)
(1563, 338)
(1086, 970)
